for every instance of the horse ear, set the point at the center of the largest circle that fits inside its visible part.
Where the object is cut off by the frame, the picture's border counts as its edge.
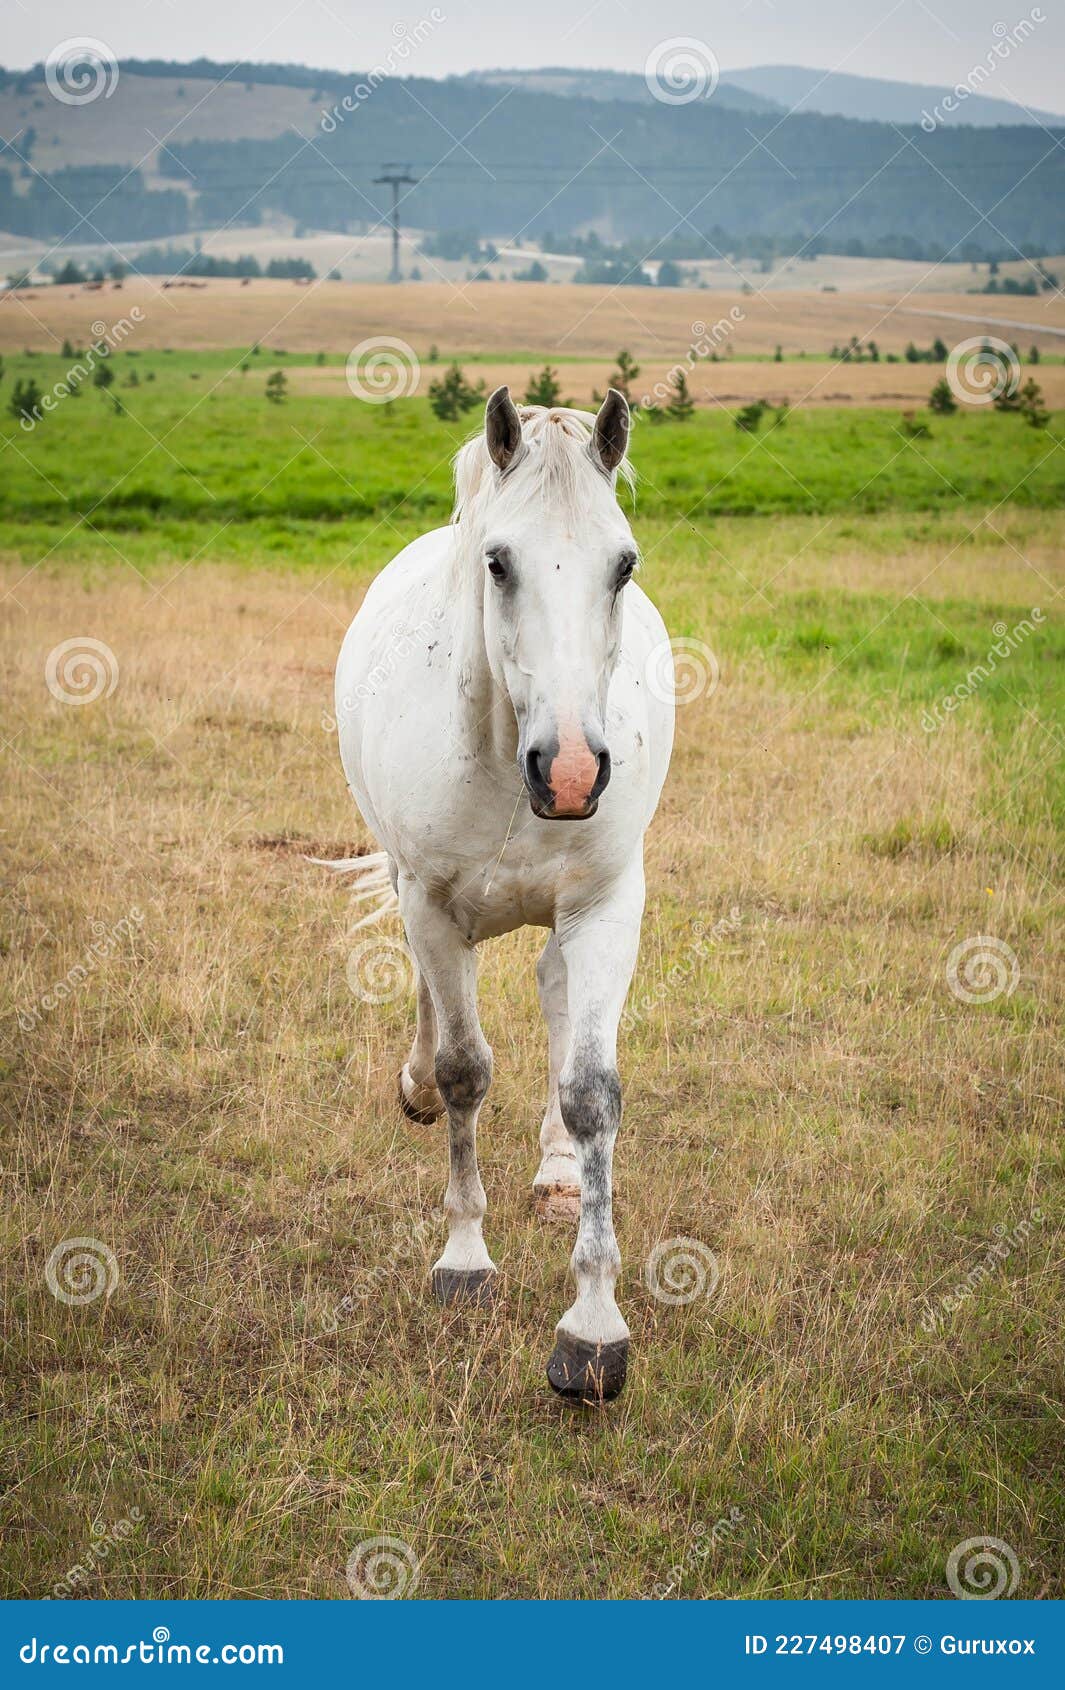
(610, 436)
(502, 427)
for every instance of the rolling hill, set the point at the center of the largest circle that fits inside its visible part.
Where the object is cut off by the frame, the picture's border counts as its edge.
(201, 146)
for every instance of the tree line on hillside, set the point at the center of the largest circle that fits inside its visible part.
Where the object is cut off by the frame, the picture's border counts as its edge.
(848, 185)
(849, 178)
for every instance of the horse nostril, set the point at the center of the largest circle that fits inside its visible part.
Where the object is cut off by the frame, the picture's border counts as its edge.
(537, 767)
(602, 776)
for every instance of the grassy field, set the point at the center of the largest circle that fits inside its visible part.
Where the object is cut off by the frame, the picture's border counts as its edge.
(267, 1384)
(491, 319)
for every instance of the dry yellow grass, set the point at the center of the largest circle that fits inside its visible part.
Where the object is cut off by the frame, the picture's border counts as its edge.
(491, 318)
(803, 1095)
(731, 383)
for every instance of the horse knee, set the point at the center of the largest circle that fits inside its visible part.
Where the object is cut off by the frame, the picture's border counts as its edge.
(463, 1075)
(591, 1101)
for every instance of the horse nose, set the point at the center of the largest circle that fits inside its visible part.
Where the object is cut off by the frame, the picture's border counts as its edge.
(537, 765)
(567, 780)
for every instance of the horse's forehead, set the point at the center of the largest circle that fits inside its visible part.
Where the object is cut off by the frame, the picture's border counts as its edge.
(586, 517)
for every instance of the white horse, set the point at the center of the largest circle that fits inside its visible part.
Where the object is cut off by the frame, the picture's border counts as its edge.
(480, 757)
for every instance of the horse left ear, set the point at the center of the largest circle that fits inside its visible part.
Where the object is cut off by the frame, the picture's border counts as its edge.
(502, 428)
(610, 437)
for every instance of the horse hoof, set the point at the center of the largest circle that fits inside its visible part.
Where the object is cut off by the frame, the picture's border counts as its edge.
(588, 1373)
(557, 1202)
(451, 1286)
(424, 1114)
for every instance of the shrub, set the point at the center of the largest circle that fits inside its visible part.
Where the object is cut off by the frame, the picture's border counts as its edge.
(750, 416)
(453, 394)
(544, 388)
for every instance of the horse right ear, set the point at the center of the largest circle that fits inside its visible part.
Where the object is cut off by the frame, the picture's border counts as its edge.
(502, 428)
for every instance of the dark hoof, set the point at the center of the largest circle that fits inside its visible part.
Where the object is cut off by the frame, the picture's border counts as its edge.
(476, 1288)
(588, 1373)
(424, 1117)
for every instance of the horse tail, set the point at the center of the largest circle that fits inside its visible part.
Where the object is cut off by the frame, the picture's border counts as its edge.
(373, 882)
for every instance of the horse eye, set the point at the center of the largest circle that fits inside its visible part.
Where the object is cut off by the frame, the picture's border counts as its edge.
(626, 565)
(497, 565)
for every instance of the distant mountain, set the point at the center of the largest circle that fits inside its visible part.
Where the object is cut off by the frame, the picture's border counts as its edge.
(245, 144)
(614, 85)
(789, 88)
(872, 98)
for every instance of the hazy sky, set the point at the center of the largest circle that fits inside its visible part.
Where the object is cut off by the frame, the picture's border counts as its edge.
(933, 41)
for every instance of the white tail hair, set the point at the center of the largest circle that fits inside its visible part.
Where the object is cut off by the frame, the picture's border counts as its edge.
(374, 882)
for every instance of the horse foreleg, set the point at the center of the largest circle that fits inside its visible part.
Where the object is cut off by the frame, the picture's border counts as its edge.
(463, 1067)
(418, 1094)
(557, 1183)
(599, 948)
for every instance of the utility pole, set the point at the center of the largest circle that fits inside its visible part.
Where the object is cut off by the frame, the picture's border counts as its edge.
(397, 176)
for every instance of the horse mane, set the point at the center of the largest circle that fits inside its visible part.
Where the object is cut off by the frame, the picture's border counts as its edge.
(557, 457)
